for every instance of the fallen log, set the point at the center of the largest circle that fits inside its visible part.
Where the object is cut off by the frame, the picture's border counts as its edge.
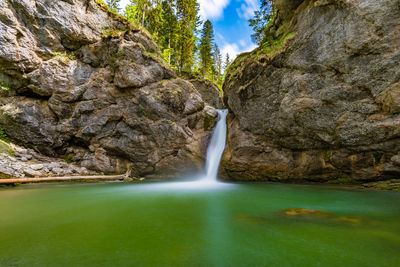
(62, 179)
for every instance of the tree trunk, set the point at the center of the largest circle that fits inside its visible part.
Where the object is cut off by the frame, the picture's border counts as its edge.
(63, 178)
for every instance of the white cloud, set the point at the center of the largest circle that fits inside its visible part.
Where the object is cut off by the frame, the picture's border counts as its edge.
(242, 42)
(212, 9)
(123, 4)
(234, 49)
(246, 10)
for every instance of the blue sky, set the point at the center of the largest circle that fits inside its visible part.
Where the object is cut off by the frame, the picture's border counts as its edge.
(230, 20)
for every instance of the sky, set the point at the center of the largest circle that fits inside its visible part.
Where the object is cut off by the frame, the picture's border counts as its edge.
(230, 21)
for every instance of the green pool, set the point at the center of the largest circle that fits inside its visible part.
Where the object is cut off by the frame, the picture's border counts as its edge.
(234, 225)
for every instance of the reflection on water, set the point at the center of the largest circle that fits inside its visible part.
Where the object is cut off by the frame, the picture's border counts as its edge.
(160, 224)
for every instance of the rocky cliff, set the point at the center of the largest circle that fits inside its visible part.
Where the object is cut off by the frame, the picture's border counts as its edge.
(81, 82)
(319, 100)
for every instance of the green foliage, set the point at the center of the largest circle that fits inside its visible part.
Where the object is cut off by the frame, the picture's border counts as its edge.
(63, 57)
(113, 5)
(143, 111)
(3, 135)
(115, 15)
(205, 47)
(378, 157)
(188, 21)
(4, 86)
(5, 147)
(209, 122)
(172, 24)
(227, 63)
(113, 62)
(327, 156)
(121, 53)
(218, 76)
(272, 46)
(102, 5)
(68, 157)
(261, 19)
(111, 33)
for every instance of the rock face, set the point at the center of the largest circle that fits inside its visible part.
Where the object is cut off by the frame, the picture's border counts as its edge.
(93, 87)
(320, 99)
(210, 92)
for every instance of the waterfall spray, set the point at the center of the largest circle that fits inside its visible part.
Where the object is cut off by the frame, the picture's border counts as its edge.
(214, 154)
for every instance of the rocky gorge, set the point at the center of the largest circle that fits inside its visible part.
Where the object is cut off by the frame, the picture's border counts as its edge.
(85, 84)
(319, 100)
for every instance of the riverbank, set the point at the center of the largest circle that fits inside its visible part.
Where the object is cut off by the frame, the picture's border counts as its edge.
(19, 165)
(20, 162)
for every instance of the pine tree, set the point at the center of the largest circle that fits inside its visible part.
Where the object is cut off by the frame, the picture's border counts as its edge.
(205, 47)
(173, 25)
(261, 19)
(188, 20)
(137, 10)
(218, 79)
(226, 64)
(168, 31)
(154, 19)
(113, 5)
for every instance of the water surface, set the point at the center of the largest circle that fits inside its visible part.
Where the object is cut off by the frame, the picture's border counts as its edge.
(234, 225)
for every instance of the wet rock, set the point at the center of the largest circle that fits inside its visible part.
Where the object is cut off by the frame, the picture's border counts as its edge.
(306, 212)
(391, 185)
(128, 179)
(320, 99)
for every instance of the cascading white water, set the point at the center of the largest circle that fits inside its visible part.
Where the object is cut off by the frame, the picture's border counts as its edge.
(214, 154)
(216, 147)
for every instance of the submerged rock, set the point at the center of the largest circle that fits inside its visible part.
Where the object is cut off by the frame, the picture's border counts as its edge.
(307, 212)
(95, 90)
(319, 99)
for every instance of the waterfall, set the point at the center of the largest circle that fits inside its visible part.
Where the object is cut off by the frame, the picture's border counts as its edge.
(213, 158)
(216, 147)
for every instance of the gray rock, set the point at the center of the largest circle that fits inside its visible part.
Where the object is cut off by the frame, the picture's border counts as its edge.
(210, 93)
(72, 88)
(53, 165)
(32, 173)
(57, 170)
(396, 160)
(321, 101)
(36, 167)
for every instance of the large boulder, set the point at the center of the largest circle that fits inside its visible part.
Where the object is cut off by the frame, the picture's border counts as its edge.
(319, 99)
(87, 84)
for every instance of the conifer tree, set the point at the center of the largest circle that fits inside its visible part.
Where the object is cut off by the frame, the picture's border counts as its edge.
(188, 20)
(168, 31)
(218, 79)
(226, 64)
(261, 19)
(205, 47)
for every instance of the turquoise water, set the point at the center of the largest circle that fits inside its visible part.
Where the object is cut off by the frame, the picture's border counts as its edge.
(238, 225)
